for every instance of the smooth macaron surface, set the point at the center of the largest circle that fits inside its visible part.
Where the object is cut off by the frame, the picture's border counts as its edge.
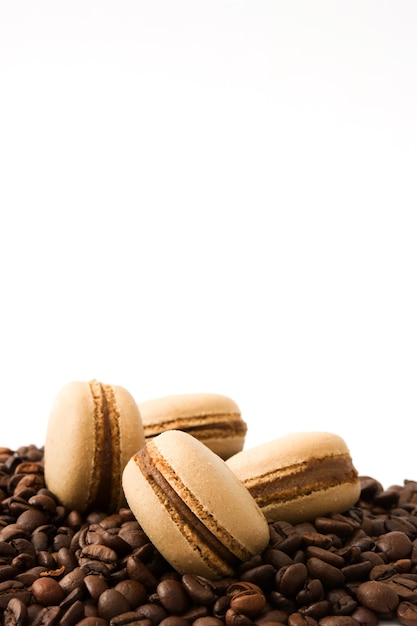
(299, 476)
(214, 419)
(93, 430)
(192, 507)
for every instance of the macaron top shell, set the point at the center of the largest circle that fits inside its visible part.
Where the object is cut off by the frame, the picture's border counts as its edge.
(199, 515)
(214, 419)
(92, 432)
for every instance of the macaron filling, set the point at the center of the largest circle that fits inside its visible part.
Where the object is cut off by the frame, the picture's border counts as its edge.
(219, 557)
(202, 430)
(106, 460)
(302, 479)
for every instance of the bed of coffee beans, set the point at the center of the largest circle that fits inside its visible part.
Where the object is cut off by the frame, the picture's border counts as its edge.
(60, 568)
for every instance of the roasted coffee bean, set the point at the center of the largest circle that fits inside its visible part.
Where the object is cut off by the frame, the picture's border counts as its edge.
(153, 612)
(342, 602)
(95, 585)
(208, 621)
(378, 597)
(407, 613)
(290, 579)
(173, 596)
(93, 621)
(134, 592)
(233, 618)
(47, 591)
(131, 618)
(312, 591)
(73, 614)
(48, 616)
(15, 613)
(395, 545)
(246, 598)
(297, 619)
(365, 616)
(137, 570)
(199, 589)
(110, 603)
(13, 589)
(330, 576)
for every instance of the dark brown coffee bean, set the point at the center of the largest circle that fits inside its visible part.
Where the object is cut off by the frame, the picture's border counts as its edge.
(131, 618)
(31, 519)
(378, 597)
(233, 618)
(297, 619)
(110, 603)
(134, 592)
(173, 596)
(328, 525)
(48, 616)
(325, 555)
(312, 592)
(47, 591)
(137, 570)
(10, 589)
(330, 576)
(395, 545)
(72, 580)
(72, 614)
(342, 602)
(199, 589)
(407, 613)
(208, 621)
(152, 612)
(365, 616)
(290, 579)
(316, 610)
(15, 614)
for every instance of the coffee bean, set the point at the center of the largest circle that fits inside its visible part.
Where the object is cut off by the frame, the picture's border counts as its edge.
(10, 589)
(378, 597)
(48, 616)
(290, 579)
(174, 620)
(15, 613)
(134, 592)
(365, 616)
(47, 591)
(407, 613)
(395, 545)
(72, 614)
(297, 619)
(173, 596)
(110, 603)
(152, 612)
(329, 575)
(208, 621)
(340, 620)
(199, 589)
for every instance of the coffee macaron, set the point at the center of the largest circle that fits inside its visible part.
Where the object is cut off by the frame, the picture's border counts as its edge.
(300, 476)
(93, 431)
(213, 419)
(193, 508)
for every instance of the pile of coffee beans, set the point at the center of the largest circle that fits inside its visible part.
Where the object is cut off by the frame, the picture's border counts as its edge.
(58, 567)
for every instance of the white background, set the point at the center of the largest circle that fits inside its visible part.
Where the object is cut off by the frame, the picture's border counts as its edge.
(214, 196)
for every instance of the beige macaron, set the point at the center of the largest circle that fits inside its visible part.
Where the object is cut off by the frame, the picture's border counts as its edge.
(192, 507)
(93, 430)
(300, 476)
(213, 419)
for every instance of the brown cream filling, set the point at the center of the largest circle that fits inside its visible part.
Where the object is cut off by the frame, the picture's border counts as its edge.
(201, 431)
(106, 461)
(302, 480)
(181, 514)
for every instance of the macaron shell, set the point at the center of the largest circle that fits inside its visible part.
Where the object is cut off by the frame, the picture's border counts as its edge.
(132, 437)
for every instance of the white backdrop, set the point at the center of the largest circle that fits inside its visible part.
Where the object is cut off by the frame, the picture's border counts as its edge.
(219, 197)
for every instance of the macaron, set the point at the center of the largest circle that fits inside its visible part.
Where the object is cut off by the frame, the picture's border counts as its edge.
(93, 431)
(300, 476)
(213, 419)
(192, 507)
